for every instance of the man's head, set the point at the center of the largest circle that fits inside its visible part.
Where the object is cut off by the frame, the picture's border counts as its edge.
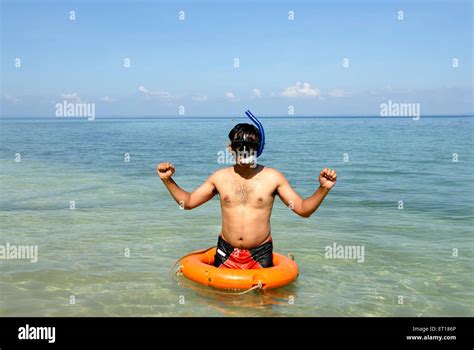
(245, 140)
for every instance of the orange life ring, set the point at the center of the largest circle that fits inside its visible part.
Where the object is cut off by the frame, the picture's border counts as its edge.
(199, 268)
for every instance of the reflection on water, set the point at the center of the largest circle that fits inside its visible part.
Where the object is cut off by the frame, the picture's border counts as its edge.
(258, 298)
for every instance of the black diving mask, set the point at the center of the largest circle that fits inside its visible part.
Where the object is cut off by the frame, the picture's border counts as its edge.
(244, 146)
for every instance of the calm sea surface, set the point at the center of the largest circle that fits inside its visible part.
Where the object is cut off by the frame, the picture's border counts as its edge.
(112, 254)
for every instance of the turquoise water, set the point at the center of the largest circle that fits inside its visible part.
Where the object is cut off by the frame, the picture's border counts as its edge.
(122, 207)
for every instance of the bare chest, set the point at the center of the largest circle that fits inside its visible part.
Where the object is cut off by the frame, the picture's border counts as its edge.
(246, 192)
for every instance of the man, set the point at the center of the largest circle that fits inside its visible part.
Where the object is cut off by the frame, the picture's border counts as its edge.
(247, 191)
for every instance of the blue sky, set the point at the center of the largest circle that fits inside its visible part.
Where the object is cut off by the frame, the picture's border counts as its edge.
(190, 63)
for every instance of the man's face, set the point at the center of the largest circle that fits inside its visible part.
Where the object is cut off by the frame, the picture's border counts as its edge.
(244, 151)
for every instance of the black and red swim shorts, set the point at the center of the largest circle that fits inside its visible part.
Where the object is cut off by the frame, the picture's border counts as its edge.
(236, 258)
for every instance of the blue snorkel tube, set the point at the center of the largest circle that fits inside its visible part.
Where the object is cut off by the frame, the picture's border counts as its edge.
(261, 131)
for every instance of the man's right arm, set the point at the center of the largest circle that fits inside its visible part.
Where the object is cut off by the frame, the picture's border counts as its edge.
(185, 199)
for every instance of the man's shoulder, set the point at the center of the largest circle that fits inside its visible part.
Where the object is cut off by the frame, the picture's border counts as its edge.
(270, 170)
(222, 172)
(273, 173)
(266, 172)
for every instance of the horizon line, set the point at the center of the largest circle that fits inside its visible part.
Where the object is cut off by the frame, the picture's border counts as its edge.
(233, 116)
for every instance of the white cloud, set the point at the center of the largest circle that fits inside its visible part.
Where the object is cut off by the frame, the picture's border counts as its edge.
(257, 93)
(72, 97)
(148, 93)
(338, 93)
(144, 90)
(199, 98)
(299, 90)
(11, 99)
(231, 96)
(107, 99)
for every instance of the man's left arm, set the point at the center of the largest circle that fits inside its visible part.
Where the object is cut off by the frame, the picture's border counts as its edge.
(306, 207)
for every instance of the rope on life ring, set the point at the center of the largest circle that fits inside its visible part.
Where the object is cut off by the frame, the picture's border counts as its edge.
(192, 253)
(257, 286)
